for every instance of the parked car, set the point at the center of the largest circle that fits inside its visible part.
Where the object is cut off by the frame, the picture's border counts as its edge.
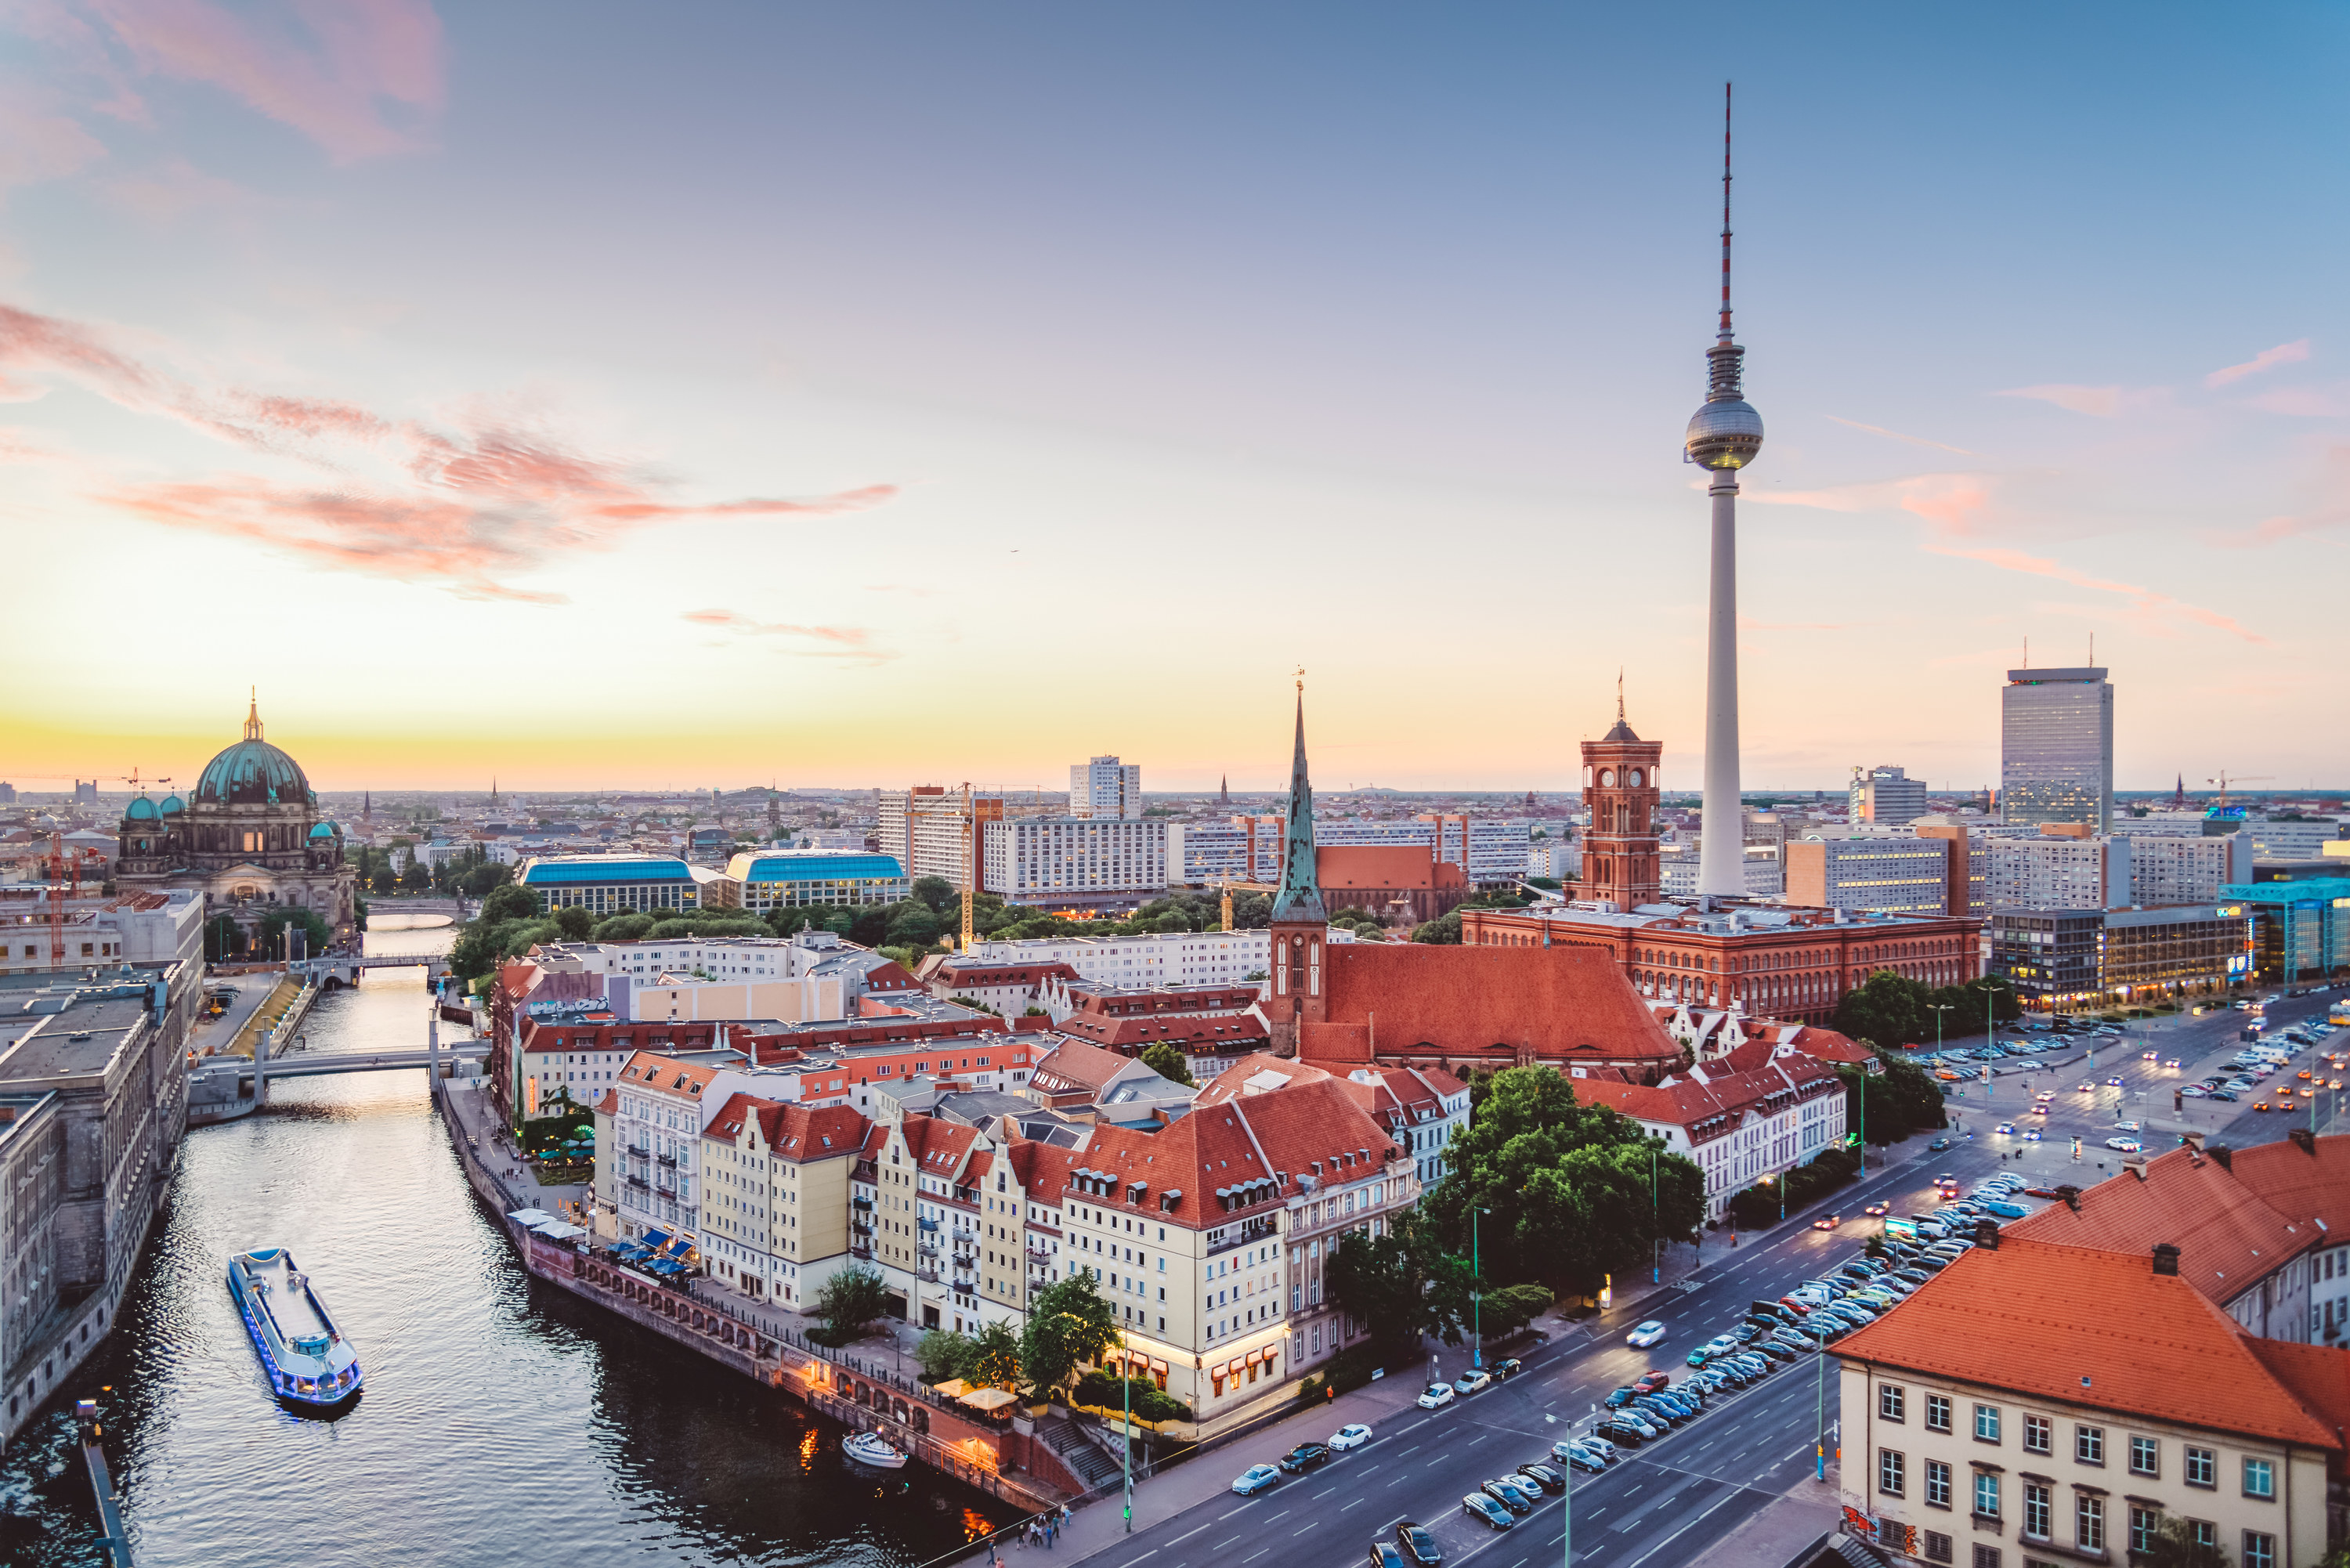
(1416, 1543)
(1255, 1479)
(1485, 1511)
(1543, 1476)
(1507, 1368)
(1650, 1380)
(1645, 1335)
(1385, 1555)
(1473, 1381)
(2127, 1145)
(1353, 1435)
(1305, 1457)
(1435, 1397)
(1577, 1456)
(1508, 1496)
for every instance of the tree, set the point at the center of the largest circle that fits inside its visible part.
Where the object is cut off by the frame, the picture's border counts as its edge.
(914, 927)
(1444, 928)
(417, 879)
(624, 928)
(509, 903)
(1169, 1063)
(1564, 1189)
(575, 921)
(938, 893)
(944, 1355)
(1886, 1010)
(478, 881)
(1069, 1323)
(2174, 1546)
(1513, 1308)
(222, 939)
(851, 1299)
(1383, 1283)
(315, 932)
(995, 1355)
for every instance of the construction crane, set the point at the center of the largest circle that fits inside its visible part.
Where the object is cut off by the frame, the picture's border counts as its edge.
(970, 869)
(1245, 888)
(58, 869)
(2225, 779)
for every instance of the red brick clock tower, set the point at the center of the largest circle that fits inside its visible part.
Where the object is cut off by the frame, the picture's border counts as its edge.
(1619, 787)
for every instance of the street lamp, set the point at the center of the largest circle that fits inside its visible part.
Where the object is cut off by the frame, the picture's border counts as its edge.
(1939, 1008)
(1656, 1223)
(1476, 1294)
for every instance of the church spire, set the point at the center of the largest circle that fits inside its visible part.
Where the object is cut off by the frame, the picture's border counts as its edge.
(253, 716)
(1300, 897)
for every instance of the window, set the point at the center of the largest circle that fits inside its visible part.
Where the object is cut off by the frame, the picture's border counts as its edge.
(2089, 1445)
(1888, 1401)
(1937, 1484)
(1986, 1495)
(1986, 1556)
(1938, 1412)
(1889, 1472)
(2259, 1479)
(1937, 1547)
(2202, 1468)
(2146, 1457)
(2260, 1549)
(2089, 1522)
(2144, 1524)
(1987, 1423)
(2035, 1509)
(2036, 1434)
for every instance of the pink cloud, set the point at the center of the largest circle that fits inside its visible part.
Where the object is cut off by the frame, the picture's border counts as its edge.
(36, 144)
(464, 509)
(356, 77)
(2302, 402)
(2103, 402)
(2283, 354)
(1949, 501)
(847, 642)
(1897, 435)
(2332, 476)
(2153, 606)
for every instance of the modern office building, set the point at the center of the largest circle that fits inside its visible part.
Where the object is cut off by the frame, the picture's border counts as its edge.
(800, 878)
(930, 834)
(1105, 787)
(1901, 876)
(2300, 931)
(2056, 747)
(1888, 794)
(615, 884)
(1042, 860)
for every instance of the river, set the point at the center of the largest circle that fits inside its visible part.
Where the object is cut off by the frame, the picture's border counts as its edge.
(503, 1422)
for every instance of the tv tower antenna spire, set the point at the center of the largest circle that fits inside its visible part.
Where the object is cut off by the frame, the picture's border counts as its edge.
(1724, 335)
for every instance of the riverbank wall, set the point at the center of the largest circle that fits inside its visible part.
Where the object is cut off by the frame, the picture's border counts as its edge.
(1006, 1462)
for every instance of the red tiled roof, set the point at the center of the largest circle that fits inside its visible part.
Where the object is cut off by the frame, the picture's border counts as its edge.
(1129, 1036)
(1566, 1003)
(2302, 1182)
(798, 1132)
(1075, 1063)
(2041, 1318)
(2228, 1237)
(2317, 1375)
(1378, 866)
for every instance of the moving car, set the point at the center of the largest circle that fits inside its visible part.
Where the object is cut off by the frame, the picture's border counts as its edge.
(2005, 1130)
(1353, 1435)
(1878, 1210)
(1648, 1382)
(1937, 1145)
(1416, 1543)
(1485, 1511)
(1645, 1335)
(1827, 1221)
(1435, 1397)
(1305, 1457)
(1255, 1479)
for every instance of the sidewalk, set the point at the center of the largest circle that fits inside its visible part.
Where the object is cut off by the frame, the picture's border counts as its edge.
(472, 1117)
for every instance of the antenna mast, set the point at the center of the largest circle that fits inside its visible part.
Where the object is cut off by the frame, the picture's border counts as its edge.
(1725, 212)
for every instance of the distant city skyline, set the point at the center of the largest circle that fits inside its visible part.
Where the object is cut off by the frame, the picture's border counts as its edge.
(1009, 373)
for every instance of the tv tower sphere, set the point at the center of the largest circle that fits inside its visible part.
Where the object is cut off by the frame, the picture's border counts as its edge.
(1724, 434)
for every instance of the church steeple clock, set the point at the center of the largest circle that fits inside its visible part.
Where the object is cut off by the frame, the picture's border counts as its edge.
(1301, 922)
(1620, 863)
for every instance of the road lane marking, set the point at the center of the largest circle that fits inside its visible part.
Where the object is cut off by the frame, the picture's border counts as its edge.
(1188, 1534)
(1221, 1517)
(1130, 1561)
(1356, 1503)
(1220, 1545)
(1325, 1491)
(1675, 1535)
(1282, 1514)
(1253, 1557)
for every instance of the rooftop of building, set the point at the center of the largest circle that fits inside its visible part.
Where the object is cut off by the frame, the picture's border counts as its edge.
(814, 865)
(1405, 999)
(70, 1034)
(2091, 1327)
(589, 868)
(1731, 919)
(16, 1113)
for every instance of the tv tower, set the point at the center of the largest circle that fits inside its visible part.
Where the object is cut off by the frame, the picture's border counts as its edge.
(1723, 435)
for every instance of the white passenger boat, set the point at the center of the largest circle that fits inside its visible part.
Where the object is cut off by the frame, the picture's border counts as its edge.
(310, 1364)
(873, 1448)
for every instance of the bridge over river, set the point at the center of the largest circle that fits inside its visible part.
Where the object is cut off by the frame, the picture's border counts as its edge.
(221, 1088)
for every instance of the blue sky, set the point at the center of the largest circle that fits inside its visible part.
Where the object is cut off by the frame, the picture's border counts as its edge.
(863, 395)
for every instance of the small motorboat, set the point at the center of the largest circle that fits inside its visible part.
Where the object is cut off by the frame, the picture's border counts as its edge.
(311, 1366)
(873, 1448)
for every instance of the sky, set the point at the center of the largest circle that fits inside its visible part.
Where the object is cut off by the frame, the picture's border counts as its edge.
(598, 395)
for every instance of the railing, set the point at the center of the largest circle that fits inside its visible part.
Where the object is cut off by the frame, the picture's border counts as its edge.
(668, 1192)
(668, 1159)
(640, 1151)
(636, 1180)
(1245, 1233)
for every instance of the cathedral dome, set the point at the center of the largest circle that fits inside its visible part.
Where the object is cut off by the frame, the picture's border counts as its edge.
(253, 772)
(141, 810)
(173, 805)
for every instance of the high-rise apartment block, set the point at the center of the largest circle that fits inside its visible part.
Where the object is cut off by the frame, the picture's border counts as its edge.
(1898, 876)
(1042, 858)
(2054, 873)
(1105, 787)
(2170, 869)
(2056, 747)
(928, 831)
(1887, 795)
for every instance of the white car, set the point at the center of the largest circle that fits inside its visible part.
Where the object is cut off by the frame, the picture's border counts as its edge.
(2127, 1145)
(1255, 1479)
(1352, 1436)
(1435, 1397)
(1647, 1334)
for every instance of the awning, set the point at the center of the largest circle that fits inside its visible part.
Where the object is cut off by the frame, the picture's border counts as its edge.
(656, 1240)
(989, 1398)
(530, 1218)
(559, 1230)
(953, 1387)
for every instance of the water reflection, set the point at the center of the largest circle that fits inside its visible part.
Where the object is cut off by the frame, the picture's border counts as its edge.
(503, 1422)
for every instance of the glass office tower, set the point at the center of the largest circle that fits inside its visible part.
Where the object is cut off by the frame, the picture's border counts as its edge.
(2056, 735)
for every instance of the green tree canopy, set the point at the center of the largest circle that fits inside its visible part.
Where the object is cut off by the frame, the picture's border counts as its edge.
(1069, 1323)
(575, 921)
(315, 931)
(1167, 1061)
(852, 1298)
(1564, 1189)
(507, 903)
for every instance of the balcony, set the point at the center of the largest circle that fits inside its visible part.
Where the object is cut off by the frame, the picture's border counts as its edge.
(928, 1249)
(1037, 1254)
(668, 1192)
(668, 1159)
(640, 1151)
(967, 1287)
(927, 1276)
(862, 1253)
(639, 1181)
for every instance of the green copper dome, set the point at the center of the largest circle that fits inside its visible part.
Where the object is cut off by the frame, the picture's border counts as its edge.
(253, 772)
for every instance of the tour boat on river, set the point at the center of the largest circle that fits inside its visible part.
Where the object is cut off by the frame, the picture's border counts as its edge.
(311, 1366)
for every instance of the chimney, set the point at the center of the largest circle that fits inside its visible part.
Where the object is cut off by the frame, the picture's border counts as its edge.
(2306, 1139)
(2072, 1197)
(2223, 1154)
(2165, 1258)
(1987, 1235)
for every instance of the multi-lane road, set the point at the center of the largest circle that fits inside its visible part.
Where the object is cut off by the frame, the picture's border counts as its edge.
(1667, 1501)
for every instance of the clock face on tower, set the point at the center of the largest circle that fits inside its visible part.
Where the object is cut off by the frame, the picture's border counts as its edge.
(1607, 778)
(1633, 778)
